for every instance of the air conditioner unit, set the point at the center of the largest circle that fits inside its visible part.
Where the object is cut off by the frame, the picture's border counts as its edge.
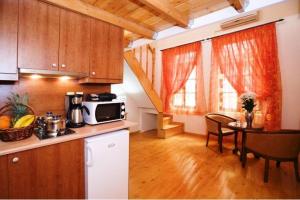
(246, 19)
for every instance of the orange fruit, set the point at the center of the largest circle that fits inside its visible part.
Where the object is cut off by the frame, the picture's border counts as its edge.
(4, 121)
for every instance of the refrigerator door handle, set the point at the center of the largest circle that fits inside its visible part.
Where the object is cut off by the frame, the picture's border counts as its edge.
(89, 160)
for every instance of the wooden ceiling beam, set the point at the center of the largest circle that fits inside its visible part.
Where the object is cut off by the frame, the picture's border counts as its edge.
(92, 11)
(165, 8)
(239, 5)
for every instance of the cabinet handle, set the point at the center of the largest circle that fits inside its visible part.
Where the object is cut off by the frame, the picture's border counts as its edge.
(15, 160)
(93, 73)
(89, 156)
(54, 65)
(63, 65)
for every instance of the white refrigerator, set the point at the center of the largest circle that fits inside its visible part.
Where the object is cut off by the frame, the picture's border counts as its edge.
(106, 168)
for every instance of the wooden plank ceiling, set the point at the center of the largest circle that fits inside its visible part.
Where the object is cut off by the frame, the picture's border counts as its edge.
(157, 15)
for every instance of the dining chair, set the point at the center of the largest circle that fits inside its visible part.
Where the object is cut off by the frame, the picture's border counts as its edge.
(217, 125)
(280, 146)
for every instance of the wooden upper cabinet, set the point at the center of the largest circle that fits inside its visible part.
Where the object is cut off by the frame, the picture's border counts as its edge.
(74, 45)
(106, 57)
(8, 36)
(55, 171)
(38, 35)
(115, 56)
(99, 49)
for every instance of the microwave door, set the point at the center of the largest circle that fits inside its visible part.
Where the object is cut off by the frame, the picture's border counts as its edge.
(108, 112)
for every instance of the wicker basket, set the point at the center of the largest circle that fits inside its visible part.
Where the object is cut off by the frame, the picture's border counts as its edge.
(15, 134)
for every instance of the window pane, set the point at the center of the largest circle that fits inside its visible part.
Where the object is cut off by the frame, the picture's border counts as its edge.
(193, 74)
(186, 97)
(228, 96)
(227, 87)
(229, 101)
(190, 100)
(190, 86)
(178, 99)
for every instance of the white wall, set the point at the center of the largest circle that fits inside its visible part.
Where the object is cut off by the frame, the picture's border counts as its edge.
(137, 102)
(288, 33)
(289, 56)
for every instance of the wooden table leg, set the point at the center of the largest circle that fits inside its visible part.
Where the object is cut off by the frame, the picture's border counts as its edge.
(235, 150)
(243, 145)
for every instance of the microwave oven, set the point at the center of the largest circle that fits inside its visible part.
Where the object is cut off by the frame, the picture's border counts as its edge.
(103, 111)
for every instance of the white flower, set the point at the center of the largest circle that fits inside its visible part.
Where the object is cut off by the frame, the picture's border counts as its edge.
(248, 95)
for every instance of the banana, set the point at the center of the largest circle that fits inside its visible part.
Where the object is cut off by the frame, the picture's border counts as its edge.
(24, 121)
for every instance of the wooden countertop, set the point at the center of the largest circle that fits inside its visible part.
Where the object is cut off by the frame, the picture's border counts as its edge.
(86, 131)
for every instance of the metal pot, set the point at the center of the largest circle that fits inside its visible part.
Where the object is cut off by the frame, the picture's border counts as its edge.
(53, 126)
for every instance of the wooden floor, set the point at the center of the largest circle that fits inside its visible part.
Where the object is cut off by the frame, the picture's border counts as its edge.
(182, 167)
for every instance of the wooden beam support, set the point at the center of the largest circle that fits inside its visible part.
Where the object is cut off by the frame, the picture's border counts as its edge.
(92, 11)
(165, 8)
(239, 5)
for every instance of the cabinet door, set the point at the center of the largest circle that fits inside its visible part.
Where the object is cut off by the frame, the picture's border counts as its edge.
(38, 35)
(3, 178)
(55, 171)
(74, 42)
(115, 56)
(99, 63)
(8, 36)
(21, 175)
(106, 58)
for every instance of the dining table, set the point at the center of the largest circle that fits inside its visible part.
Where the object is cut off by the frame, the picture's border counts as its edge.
(241, 127)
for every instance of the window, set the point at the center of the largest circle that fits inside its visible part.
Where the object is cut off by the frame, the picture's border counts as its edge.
(249, 61)
(185, 99)
(228, 98)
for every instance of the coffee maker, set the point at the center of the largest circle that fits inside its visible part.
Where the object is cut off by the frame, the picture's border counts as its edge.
(74, 109)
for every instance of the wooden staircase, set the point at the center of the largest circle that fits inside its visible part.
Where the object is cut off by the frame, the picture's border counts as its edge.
(142, 62)
(167, 127)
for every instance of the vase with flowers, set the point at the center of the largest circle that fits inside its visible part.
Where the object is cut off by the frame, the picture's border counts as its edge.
(248, 103)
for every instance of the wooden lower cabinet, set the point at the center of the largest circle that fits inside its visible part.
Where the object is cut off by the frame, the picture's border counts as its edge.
(3, 178)
(55, 171)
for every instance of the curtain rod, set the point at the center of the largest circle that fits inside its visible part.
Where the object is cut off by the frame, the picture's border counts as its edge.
(278, 20)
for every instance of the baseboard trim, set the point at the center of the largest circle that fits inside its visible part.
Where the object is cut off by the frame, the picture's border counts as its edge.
(134, 132)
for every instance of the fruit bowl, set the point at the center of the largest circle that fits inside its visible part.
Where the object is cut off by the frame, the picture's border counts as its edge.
(23, 128)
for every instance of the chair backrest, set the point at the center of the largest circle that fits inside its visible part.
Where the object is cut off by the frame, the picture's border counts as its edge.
(281, 144)
(214, 120)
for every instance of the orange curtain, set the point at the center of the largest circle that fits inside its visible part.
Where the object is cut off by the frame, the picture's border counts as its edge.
(178, 63)
(249, 60)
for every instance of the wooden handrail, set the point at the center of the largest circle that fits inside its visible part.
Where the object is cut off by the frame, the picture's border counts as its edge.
(150, 48)
(153, 67)
(146, 54)
(135, 66)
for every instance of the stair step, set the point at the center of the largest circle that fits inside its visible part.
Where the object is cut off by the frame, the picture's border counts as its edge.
(167, 120)
(172, 125)
(168, 115)
(172, 129)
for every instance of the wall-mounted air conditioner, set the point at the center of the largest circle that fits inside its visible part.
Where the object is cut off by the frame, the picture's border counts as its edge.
(246, 19)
